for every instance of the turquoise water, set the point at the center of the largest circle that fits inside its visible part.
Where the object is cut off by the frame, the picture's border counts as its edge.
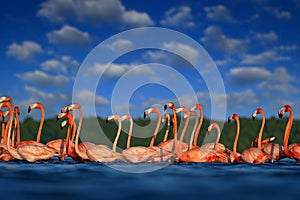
(61, 180)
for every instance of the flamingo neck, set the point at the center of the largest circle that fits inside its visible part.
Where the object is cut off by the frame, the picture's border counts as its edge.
(236, 138)
(156, 129)
(193, 132)
(3, 130)
(117, 136)
(167, 130)
(218, 138)
(73, 132)
(199, 127)
(184, 128)
(261, 131)
(80, 120)
(68, 138)
(130, 132)
(287, 133)
(38, 137)
(176, 147)
(9, 127)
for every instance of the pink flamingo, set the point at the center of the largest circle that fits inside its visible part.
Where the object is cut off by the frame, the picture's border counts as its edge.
(102, 153)
(31, 153)
(273, 149)
(250, 155)
(198, 107)
(292, 150)
(167, 116)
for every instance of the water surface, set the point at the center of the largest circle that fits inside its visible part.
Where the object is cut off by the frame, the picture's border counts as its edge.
(61, 180)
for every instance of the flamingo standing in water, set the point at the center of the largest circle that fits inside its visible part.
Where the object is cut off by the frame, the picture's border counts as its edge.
(198, 107)
(207, 154)
(31, 153)
(273, 149)
(102, 153)
(172, 144)
(250, 155)
(139, 153)
(292, 150)
(167, 116)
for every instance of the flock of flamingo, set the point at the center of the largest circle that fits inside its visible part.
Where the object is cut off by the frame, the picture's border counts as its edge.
(173, 150)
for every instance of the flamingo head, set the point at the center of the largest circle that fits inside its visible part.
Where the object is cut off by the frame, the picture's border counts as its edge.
(36, 105)
(196, 107)
(112, 117)
(257, 111)
(73, 106)
(212, 126)
(169, 105)
(283, 109)
(147, 112)
(126, 117)
(16, 110)
(182, 109)
(5, 98)
(64, 115)
(4, 104)
(233, 116)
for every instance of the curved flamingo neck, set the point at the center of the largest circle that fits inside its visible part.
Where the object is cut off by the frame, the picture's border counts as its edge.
(176, 146)
(38, 137)
(236, 138)
(194, 129)
(130, 132)
(168, 127)
(117, 136)
(73, 132)
(288, 132)
(218, 137)
(261, 131)
(199, 126)
(156, 128)
(184, 128)
(80, 119)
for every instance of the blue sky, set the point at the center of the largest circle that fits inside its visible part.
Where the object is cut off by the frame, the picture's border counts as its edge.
(254, 44)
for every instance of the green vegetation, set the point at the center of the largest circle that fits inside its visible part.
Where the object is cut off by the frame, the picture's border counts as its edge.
(104, 133)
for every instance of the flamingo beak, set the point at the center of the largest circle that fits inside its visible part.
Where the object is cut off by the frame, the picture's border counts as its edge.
(166, 106)
(29, 109)
(280, 115)
(106, 120)
(229, 119)
(145, 115)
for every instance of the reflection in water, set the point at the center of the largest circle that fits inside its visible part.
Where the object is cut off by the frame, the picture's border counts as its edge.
(61, 180)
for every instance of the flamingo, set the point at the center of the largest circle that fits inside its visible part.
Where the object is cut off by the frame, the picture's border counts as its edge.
(16, 129)
(37, 105)
(167, 116)
(31, 153)
(292, 150)
(139, 153)
(273, 149)
(198, 107)
(200, 154)
(102, 153)
(250, 155)
(172, 144)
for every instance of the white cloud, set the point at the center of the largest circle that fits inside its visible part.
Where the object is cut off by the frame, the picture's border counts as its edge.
(41, 78)
(121, 45)
(271, 36)
(134, 18)
(68, 35)
(92, 11)
(244, 75)
(280, 81)
(242, 100)
(219, 13)
(214, 37)
(60, 65)
(86, 96)
(286, 48)
(184, 52)
(276, 12)
(25, 51)
(180, 16)
(263, 58)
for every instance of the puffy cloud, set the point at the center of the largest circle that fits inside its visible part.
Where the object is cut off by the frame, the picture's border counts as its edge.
(286, 48)
(263, 58)
(244, 75)
(185, 51)
(121, 45)
(68, 35)
(41, 78)
(280, 81)
(180, 16)
(278, 13)
(271, 36)
(93, 11)
(219, 13)
(60, 65)
(25, 51)
(214, 37)
(86, 96)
